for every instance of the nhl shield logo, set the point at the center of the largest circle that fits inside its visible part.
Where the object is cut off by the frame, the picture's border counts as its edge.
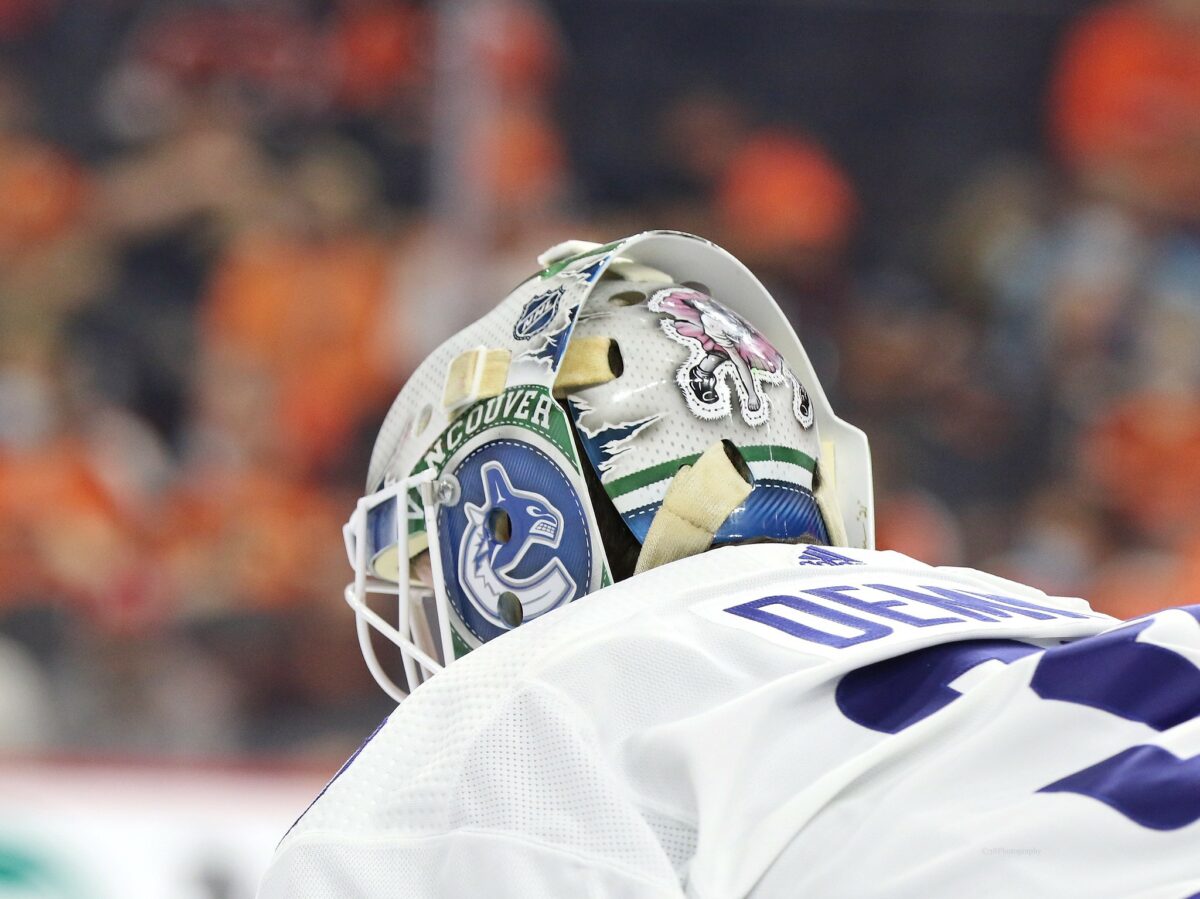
(537, 314)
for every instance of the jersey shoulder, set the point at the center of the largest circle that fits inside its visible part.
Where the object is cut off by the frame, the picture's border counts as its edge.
(742, 614)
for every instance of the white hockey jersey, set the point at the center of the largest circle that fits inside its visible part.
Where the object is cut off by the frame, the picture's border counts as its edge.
(782, 721)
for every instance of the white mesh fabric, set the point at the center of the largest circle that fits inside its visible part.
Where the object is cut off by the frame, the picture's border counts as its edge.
(537, 770)
(519, 760)
(677, 839)
(632, 745)
(549, 731)
(499, 742)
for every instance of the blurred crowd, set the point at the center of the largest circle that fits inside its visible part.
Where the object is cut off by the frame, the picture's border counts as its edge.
(229, 230)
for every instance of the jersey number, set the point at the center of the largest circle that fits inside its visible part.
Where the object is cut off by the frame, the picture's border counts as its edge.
(1112, 672)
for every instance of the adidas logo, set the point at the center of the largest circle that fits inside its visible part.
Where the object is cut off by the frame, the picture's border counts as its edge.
(819, 555)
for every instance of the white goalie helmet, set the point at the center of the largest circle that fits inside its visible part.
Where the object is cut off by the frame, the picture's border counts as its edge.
(631, 404)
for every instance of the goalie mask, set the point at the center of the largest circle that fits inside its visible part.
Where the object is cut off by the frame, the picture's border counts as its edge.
(629, 405)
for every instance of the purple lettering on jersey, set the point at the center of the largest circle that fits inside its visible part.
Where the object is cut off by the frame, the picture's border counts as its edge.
(980, 606)
(896, 693)
(881, 607)
(1113, 672)
(756, 611)
(1147, 784)
(1116, 673)
(1139, 681)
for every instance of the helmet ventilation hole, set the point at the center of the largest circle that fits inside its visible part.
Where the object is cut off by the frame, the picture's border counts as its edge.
(499, 525)
(737, 460)
(616, 362)
(512, 613)
(627, 298)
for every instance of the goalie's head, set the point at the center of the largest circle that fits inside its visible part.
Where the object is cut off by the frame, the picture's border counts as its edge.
(629, 405)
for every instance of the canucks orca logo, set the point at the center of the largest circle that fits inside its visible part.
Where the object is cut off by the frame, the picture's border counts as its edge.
(520, 529)
(537, 314)
(487, 559)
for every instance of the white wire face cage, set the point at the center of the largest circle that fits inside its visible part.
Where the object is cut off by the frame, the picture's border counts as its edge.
(374, 535)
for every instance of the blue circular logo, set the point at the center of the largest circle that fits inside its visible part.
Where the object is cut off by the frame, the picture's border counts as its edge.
(517, 541)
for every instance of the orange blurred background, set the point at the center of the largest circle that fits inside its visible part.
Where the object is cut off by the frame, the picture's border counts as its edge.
(229, 230)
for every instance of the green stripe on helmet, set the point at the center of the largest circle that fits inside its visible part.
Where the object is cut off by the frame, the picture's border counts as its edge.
(662, 471)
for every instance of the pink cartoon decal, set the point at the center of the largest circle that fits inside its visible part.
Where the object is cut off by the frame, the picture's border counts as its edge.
(722, 347)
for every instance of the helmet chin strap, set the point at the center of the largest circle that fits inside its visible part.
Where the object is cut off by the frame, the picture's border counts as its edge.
(700, 498)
